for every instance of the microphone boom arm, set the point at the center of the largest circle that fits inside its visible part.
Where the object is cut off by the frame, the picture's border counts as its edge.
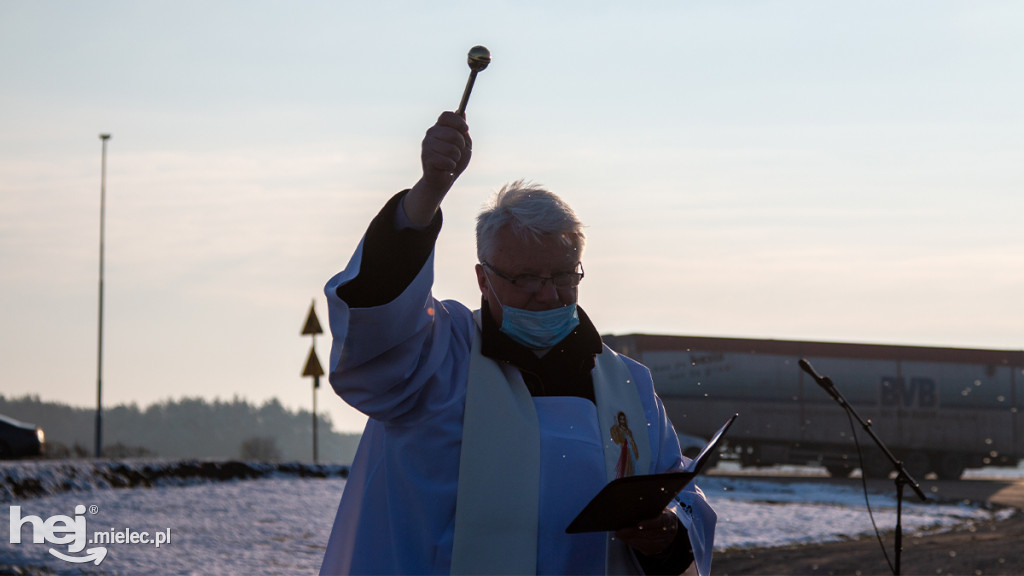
(903, 477)
(826, 383)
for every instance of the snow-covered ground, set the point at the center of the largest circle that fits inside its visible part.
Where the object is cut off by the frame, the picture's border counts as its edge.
(280, 524)
(267, 526)
(761, 513)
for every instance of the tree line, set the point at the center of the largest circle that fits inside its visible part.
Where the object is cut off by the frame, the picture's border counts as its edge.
(186, 428)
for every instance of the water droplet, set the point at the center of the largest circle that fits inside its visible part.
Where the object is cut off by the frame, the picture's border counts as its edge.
(977, 382)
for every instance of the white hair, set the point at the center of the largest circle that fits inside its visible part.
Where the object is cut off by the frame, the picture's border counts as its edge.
(530, 212)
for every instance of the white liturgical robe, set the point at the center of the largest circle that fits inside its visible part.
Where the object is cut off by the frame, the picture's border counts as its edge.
(406, 364)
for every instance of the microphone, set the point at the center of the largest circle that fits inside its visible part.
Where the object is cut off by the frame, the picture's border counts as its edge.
(806, 367)
(824, 382)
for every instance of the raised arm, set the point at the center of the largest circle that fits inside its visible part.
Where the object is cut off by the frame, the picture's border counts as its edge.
(390, 337)
(401, 238)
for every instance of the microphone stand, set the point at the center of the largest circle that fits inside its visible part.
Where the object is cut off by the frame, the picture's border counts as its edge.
(903, 478)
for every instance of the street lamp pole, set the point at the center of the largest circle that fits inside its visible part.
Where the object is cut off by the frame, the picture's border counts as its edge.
(99, 350)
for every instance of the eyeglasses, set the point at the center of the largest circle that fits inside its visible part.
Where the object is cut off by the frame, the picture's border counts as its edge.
(532, 283)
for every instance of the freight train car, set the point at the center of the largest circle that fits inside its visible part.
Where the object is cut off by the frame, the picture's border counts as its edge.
(939, 410)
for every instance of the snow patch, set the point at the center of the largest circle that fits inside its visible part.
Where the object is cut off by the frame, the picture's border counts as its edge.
(32, 479)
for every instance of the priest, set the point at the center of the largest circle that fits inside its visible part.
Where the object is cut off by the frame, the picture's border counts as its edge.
(490, 429)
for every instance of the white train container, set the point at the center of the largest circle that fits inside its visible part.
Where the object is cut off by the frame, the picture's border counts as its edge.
(939, 410)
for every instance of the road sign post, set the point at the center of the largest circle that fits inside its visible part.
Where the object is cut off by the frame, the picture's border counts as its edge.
(313, 367)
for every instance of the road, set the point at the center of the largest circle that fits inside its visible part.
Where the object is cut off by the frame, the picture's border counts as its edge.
(986, 548)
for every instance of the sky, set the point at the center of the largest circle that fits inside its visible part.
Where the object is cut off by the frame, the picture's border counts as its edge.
(838, 171)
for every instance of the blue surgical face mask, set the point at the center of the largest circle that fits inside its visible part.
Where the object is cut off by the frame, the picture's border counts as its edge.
(537, 329)
(541, 329)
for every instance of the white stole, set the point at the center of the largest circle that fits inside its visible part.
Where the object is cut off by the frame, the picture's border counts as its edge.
(496, 512)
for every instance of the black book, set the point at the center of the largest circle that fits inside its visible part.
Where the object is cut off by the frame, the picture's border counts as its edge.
(627, 501)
